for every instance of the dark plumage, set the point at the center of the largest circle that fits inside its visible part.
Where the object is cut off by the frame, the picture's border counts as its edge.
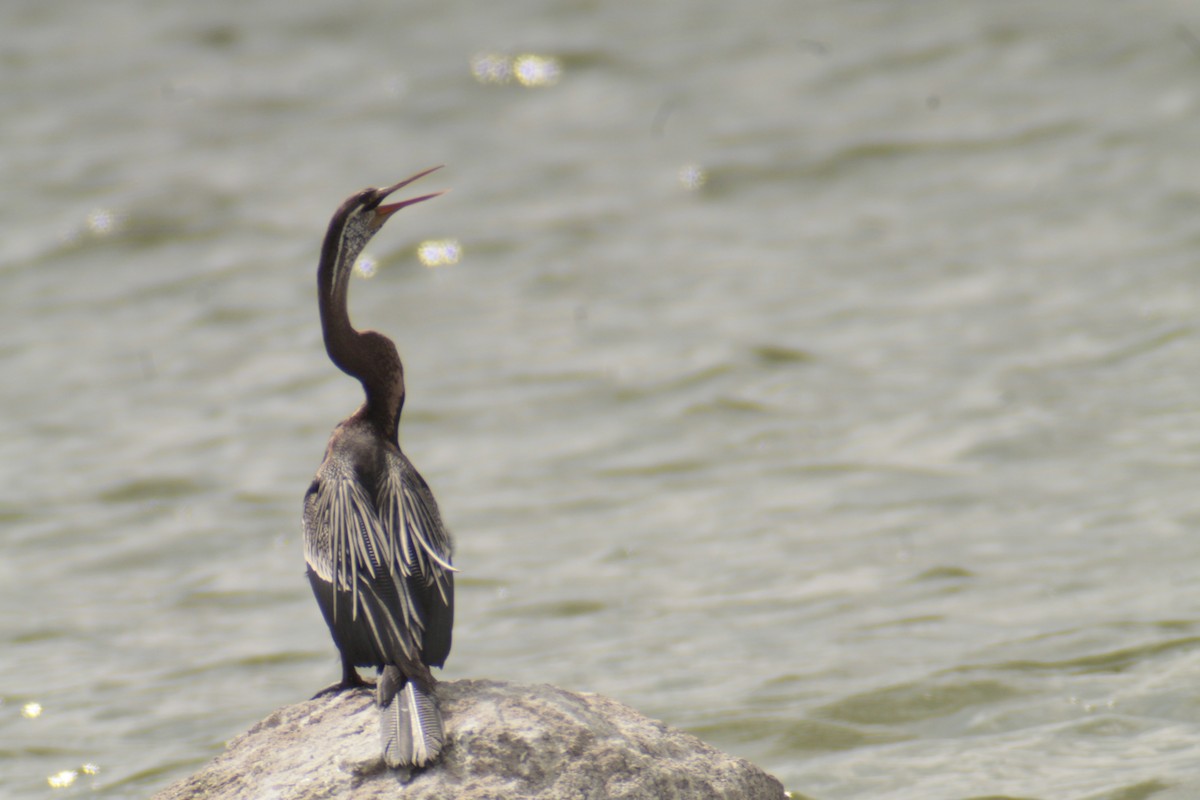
(379, 558)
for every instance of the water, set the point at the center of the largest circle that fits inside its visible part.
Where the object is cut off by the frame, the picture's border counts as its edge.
(819, 379)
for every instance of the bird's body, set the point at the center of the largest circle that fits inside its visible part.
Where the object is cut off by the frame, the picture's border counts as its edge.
(378, 555)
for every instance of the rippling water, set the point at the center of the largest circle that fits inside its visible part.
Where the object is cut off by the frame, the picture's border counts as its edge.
(820, 378)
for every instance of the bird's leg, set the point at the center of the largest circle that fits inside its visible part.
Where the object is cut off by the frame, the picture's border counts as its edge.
(350, 677)
(350, 680)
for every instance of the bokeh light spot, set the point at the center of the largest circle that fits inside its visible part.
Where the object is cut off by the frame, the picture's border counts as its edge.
(61, 780)
(102, 221)
(692, 177)
(439, 252)
(535, 70)
(31, 710)
(491, 68)
(366, 266)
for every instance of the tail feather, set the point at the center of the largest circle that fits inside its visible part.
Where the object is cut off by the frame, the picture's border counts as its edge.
(410, 725)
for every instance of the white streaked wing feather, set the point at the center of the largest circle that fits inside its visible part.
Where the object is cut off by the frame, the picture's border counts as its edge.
(423, 546)
(361, 549)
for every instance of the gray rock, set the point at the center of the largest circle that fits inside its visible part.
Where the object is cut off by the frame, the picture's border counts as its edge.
(503, 742)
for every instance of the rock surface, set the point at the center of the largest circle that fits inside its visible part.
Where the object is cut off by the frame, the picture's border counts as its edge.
(503, 742)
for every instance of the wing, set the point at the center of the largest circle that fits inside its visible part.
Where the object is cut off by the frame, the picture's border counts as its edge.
(353, 555)
(424, 548)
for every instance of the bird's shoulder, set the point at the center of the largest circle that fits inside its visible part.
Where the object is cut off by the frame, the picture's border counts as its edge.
(357, 450)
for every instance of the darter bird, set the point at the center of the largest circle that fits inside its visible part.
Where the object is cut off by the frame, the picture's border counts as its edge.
(378, 556)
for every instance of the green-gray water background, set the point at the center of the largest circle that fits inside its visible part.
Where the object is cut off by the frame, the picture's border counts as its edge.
(821, 378)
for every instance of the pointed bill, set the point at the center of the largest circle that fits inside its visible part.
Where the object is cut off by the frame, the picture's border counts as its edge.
(383, 212)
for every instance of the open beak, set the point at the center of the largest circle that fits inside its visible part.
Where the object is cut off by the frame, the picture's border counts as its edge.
(383, 212)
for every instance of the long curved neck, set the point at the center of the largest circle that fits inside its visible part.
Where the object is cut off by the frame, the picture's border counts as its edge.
(367, 355)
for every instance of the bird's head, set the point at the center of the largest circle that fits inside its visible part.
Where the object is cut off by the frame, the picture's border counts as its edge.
(361, 216)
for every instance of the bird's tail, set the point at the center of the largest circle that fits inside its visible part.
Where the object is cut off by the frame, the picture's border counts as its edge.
(410, 725)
